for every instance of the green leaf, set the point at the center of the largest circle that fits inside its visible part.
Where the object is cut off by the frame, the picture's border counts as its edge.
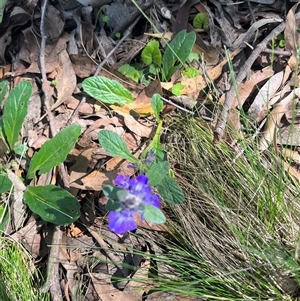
(107, 90)
(191, 72)
(157, 105)
(111, 205)
(15, 110)
(151, 53)
(157, 172)
(160, 154)
(154, 215)
(4, 217)
(53, 204)
(201, 21)
(178, 49)
(153, 70)
(281, 43)
(130, 72)
(3, 90)
(53, 152)
(111, 191)
(176, 89)
(115, 145)
(170, 191)
(21, 149)
(5, 183)
(2, 7)
(105, 19)
(193, 57)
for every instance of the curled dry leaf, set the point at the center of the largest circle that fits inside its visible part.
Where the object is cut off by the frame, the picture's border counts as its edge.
(274, 119)
(65, 78)
(246, 88)
(291, 36)
(260, 105)
(137, 127)
(288, 153)
(18, 208)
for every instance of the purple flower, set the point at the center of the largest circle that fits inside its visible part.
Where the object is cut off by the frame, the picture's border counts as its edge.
(121, 221)
(138, 194)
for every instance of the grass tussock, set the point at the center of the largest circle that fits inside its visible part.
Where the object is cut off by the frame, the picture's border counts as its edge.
(237, 232)
(17, 274)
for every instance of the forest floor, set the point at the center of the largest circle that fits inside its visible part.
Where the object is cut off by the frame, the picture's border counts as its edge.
(227, 74)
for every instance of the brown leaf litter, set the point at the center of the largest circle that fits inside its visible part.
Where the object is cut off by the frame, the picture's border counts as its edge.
(91, 256)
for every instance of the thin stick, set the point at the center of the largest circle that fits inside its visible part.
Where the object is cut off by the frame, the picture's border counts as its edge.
(52, 282)
(221, 123)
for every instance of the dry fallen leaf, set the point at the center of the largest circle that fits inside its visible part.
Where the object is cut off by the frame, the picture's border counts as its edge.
(291, 36)
(192, 86)
(137, 127)
(274, 120)
(261, 103)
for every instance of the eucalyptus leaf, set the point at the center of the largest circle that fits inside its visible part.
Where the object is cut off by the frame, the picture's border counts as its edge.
(53, 152)
(107, 90)
(157, 172)
(115, 145)
(153, 215)
(170, 191)
(15, 110)
(53, 204)
(157, 105)
(179, 50)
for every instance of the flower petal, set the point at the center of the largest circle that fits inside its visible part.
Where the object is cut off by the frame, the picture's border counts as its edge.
(152, 199)
(139, 184)
(121, 221)
(122, 181)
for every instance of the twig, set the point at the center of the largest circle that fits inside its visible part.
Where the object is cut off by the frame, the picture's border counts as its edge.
(114, 259)
(177, 106)
(278, 52)
(221, 123)
(126, 34)
(52, 283)
(80, 104)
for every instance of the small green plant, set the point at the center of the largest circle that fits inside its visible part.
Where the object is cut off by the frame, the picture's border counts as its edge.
(51, 203)
(178, 51)
(130, 196)
(201, 21)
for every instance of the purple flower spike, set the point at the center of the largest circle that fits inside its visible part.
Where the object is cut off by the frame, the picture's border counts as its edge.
(139, 194)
